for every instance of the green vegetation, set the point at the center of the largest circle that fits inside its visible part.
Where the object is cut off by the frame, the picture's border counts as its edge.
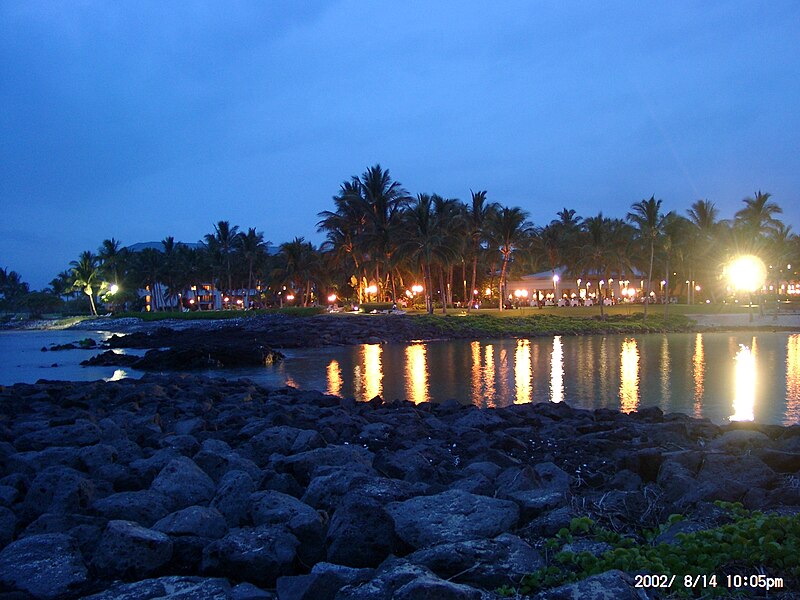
(383, 244)
(202, 315)
(490, 325)
(751, 542)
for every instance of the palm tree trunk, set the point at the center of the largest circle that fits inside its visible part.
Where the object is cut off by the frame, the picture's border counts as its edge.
(503, 283)
(91, 303)
(649, 278)
(426, 275)
(666, 290)
(464, 279)
(443, 291)
(474, 276)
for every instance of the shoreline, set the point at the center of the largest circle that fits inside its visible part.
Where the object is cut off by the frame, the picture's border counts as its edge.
(222, 488)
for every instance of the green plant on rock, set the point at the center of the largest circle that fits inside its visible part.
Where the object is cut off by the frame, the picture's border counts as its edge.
(753, 542)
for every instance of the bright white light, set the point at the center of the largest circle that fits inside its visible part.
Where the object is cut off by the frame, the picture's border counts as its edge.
(114, 288)
(332, 298)
(747, 273)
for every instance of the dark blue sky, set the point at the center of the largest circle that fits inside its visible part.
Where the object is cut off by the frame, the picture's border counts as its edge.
(141, 120)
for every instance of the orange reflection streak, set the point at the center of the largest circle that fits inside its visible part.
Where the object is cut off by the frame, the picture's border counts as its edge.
(665, 370)
(744, 392)
(503, 378)
(698, 374)
(334, 373)
(477, 396)
(792, 380)
(557, 371)
(522, 372)
(629, 376)
(373, 373)
(417, 373)
(488, 375)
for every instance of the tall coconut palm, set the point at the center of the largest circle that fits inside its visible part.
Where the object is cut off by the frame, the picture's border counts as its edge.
(510, 230)
(12, 289)
(703, 240)
(111, 256)
(479, 215)
(224, 239)
(597, 251)
(757, 218)
(86, 275)
(675, 231)
(300, 266)
(252, 247)
(646, 215)
(427, 242)
(382, 200)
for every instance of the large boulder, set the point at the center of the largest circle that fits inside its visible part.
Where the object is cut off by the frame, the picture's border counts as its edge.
(168, 588)
(487, 563)
(80, 433)
(47, 566)
(258, 555)
(199, 521)
(305, 523)
(129, 551)
(58, 490)
(361, 533)
(611, 585)
(144, 506)
(324, 581)
(184, 483)
(429, 587)
(451, 516)
(306, 465)
(232, 499)
(282, 439)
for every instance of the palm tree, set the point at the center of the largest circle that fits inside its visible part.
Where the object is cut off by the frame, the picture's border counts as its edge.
(703, 238)
(12, 289)
(111, 256)
(381, 201)
(252, 247)
(597, 251)
(427, 242)
(647, 217)
(224, 238)
(300, 266)
(86, 275)
(757, 218)
(148, 267)
(509, 229)
(478, 216)
(676, 230)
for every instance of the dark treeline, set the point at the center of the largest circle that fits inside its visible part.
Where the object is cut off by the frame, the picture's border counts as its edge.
(381, 241)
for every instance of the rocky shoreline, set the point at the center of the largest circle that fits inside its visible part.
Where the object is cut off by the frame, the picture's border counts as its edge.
(190, 487)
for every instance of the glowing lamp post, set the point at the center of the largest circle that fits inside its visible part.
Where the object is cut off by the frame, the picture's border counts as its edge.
(747, 274)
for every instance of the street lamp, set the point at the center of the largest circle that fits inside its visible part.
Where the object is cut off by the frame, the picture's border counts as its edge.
(747, 273)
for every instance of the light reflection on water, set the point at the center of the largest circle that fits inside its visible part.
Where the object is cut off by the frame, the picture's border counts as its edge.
(792, 380)
(693, 373)
(744, 387)
(698, 372)
(629, 376)
(557, 371)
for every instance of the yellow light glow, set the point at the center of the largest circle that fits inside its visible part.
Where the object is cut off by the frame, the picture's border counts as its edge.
(488, 292)
(792, 380)
(373, 289)
(334, 373)
(416, 288)
(629, 376)
(698, 373)
(417, 373)
(290, 297)
(557, 371)
(477, 395)
(332, 298)
(744, 392)
(489, 376)
(114, 288)
(522, 372)
(373, 371)
(747, 273)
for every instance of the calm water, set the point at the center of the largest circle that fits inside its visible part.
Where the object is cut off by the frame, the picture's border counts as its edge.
(721, 376)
